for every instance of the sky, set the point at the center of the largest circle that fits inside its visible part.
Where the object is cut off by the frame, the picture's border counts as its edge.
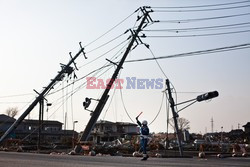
(36, 36)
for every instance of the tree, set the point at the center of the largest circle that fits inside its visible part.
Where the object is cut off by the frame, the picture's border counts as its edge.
(183, 124)
(12, 111)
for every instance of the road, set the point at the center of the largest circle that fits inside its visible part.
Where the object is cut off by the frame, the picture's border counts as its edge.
(13, 159)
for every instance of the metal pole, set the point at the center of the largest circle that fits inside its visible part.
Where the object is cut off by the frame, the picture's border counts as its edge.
(40, 123)
(73, 136)
(175, 116)
(104, 97)
(167, 112)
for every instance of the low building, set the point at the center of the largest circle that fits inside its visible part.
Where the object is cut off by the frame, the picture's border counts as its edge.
(5, 123)
(27, 131)
(247, 128)
(51, 131)
(106, 131)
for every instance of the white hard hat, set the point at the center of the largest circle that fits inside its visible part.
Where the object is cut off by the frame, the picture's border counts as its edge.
(144, 122)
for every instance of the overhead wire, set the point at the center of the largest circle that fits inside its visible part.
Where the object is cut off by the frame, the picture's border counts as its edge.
(16, 95)
(109, 104)
(116, 55)
(197, 35)
(104, 66)
(204, 10)
(106, 43)
(96, 72)
(216, 27)
(79, 80)
(201, 6)
(13, 102)
(98, 57)
(158, 64)
(124, 107)
(156, 116)
(84, 84)
(110, 49)
(202, 19)
(110, 29)
(200, 52)
(66, 97)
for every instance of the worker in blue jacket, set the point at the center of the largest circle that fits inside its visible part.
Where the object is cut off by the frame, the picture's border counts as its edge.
(144, 133)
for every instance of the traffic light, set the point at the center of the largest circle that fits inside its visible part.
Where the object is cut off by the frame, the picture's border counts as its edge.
(86, 103)
(207, 96)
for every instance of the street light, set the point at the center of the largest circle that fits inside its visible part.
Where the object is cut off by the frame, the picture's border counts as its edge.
(73, 137)
(200, 98)
(203, 97)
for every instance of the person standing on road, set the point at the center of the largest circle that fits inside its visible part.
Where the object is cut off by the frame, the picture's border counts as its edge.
(144, 133)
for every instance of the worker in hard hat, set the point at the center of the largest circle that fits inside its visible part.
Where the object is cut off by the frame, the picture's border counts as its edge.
(144, 132)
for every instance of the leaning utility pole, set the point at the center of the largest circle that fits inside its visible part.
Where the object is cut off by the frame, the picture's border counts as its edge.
(175, 116)
(66, 69)
(96, 113)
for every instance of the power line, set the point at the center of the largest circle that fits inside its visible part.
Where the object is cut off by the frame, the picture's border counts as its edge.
(12, 102)
(195, 35)
(17, 95)
(109, 104)
(201, 6)
(203, 19)
(98, 57)
(125, 109)
(158, 110)
(191, 92)
(162, 71)
(105, 43)
(200, 28)
(158, 63)
(70, 94)
(96, 70)
(205, 10)
(110, 29)
(200, 52)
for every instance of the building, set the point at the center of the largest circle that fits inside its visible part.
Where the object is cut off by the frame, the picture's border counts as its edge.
(106, 131)
(247, 128)
(27, 131)
(51, 131)
(5, 123)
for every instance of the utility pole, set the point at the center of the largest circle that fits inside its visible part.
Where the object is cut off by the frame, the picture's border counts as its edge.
(96, 113)
(175, 116)
(212, 125)
(40, 123)
(66, 69)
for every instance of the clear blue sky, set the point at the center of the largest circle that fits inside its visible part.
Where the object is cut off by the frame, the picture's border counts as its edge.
(35, 36)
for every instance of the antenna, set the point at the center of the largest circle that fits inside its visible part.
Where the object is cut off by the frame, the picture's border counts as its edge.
(212, 125)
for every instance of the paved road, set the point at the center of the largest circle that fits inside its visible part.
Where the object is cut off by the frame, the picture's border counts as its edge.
(10, 159)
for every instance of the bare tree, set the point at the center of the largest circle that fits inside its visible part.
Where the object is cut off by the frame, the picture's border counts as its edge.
(12, 111)
(183, 124)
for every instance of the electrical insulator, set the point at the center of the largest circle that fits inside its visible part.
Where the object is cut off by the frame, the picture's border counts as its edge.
(86, 103)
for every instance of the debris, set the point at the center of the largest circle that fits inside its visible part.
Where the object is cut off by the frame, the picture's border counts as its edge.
(92, 153)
